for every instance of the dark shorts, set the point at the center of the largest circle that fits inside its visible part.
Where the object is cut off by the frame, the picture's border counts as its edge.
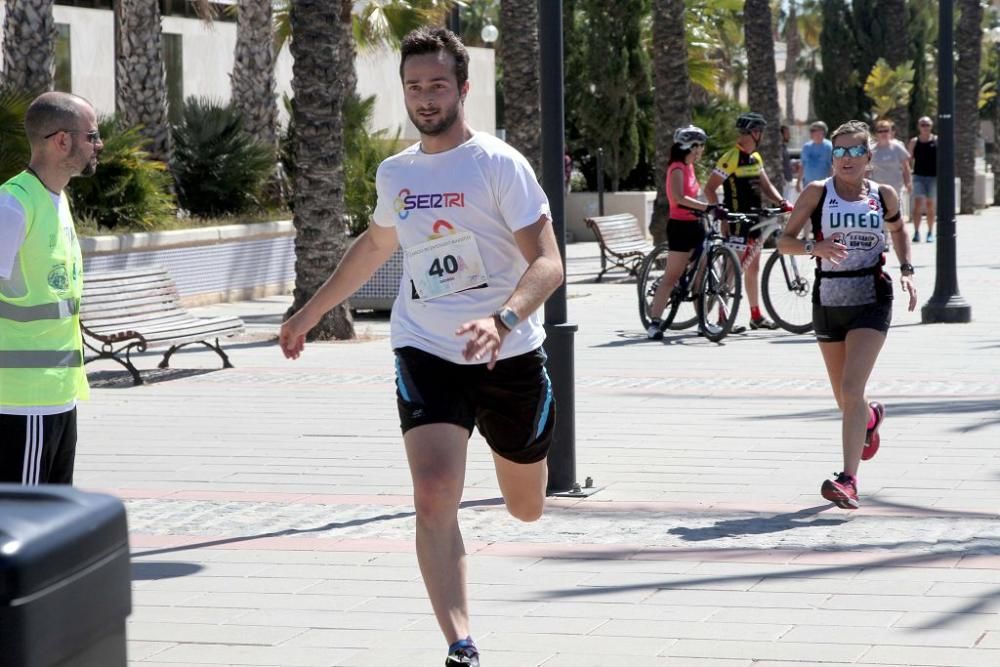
(831, 323)
(684, 235)
(742, 230)
(512, 405)
(38, 449)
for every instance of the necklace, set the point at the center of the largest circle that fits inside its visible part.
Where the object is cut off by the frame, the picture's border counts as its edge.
(35, 174)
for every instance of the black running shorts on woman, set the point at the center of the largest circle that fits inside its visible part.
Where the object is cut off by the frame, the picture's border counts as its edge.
(37, 449)
(684, 235)
(512, 405)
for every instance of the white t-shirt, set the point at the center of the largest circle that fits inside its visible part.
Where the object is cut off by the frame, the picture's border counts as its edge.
(483, 187)
(887, 164)
(13, 228)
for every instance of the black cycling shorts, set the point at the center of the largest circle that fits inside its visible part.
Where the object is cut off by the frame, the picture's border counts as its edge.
(684, 235)
(831, 323)
(511, 405)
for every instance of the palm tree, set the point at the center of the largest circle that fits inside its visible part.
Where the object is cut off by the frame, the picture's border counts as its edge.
(322, 45)
(896, 51)
(519, 56)
(671, 92)
(253, 71)
(762, 94)
(792, 49)
(29, 46)
(140, 77)
(968, 38)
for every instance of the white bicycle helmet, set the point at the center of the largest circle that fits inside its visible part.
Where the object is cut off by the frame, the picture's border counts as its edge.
(689, 135)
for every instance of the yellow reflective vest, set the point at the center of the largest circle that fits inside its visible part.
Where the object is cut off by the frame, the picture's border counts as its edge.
(41, 351)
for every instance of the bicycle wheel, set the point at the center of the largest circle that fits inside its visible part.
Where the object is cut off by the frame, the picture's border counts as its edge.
(681, 316)
(787, 291)
(720, 292)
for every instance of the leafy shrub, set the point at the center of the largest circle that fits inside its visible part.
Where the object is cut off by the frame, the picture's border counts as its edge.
(218, 168)
(129, 189)
(364, 151)
(14, 148)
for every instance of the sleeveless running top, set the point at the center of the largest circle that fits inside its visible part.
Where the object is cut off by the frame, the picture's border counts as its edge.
(860, 225)
(925, 157)
(690, 189)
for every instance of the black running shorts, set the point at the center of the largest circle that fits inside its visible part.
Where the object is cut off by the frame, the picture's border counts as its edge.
(38, 449)
(684, 235)
(831, 323)
(512, 405)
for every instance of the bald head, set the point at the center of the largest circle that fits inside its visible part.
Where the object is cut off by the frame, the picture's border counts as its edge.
(51, 112)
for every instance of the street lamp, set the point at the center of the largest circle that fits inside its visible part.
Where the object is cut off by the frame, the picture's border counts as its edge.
(946, 304)
(489, 33)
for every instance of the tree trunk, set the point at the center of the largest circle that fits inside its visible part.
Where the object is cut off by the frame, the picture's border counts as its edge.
(253, 71)
(671, 93)
(29, 46)
(968, 38)
(140, 77)
(895, 15)
(322, 77)
(792, 50)
(762, 96)
(519, 57)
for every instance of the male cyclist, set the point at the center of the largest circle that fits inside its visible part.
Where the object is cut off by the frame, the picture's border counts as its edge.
(740, 171)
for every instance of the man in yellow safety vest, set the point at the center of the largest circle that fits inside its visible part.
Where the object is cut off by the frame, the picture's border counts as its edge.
(41, 281)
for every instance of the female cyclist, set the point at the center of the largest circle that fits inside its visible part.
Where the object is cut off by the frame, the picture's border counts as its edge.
(852, 296)
(684, 231)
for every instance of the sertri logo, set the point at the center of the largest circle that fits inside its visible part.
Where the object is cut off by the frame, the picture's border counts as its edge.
(406, 201)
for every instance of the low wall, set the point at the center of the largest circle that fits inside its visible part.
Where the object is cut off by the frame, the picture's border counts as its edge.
(209, 265)
(583, 205)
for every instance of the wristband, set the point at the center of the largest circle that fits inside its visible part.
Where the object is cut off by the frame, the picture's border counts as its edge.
(906, 269)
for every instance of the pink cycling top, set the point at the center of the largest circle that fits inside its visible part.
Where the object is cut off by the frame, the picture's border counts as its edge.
(690, 189)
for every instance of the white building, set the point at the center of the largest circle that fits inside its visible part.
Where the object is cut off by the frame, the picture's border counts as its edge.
(199, 59)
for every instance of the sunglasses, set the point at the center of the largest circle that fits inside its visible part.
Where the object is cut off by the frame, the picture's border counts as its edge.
(925, 124)
(854, 151)
(93, 136)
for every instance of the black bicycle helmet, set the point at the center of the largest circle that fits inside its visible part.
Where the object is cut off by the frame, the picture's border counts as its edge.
(688, 136)
(750, 121)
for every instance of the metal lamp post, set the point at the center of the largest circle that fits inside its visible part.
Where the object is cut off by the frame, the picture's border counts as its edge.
(559, 333)
(946, 304)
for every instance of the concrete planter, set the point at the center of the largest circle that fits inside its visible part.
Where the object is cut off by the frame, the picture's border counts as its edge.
(226, 263)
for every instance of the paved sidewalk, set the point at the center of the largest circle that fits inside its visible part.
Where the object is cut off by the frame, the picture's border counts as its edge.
(272, 525)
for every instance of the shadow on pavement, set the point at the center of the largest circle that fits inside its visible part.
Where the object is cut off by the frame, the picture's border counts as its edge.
(982, 603)
(123, 379)
(909, 408)
(291, 532)
(148, 571)
(757, 525)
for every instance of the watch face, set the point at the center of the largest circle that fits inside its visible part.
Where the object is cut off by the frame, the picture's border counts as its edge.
(508, 317)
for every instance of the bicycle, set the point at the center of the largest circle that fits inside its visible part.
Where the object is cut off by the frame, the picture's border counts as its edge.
(786, 288)
(708, 292)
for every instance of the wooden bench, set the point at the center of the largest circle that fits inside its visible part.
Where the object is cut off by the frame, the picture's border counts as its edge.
(139, 309)
(623, 244)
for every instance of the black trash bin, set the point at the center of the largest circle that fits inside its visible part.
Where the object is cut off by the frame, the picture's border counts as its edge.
(65, 584)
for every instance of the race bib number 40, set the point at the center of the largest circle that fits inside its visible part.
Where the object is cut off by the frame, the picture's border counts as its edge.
(446, 265)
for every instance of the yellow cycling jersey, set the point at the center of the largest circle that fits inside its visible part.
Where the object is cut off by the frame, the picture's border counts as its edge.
(741, 179)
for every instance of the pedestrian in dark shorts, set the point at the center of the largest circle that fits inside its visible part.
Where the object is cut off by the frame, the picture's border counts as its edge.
(852, 296)
(41, 282)
(480, 259)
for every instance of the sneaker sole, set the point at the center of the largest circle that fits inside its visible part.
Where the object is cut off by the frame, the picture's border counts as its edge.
(872, 439)
(837, 497)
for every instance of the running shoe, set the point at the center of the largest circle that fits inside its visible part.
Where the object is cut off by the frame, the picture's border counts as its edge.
(462, 654)
(842, 492)
(930, 238)
(916, 237)
(654, 332)
(872, 438)
(762, 323)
